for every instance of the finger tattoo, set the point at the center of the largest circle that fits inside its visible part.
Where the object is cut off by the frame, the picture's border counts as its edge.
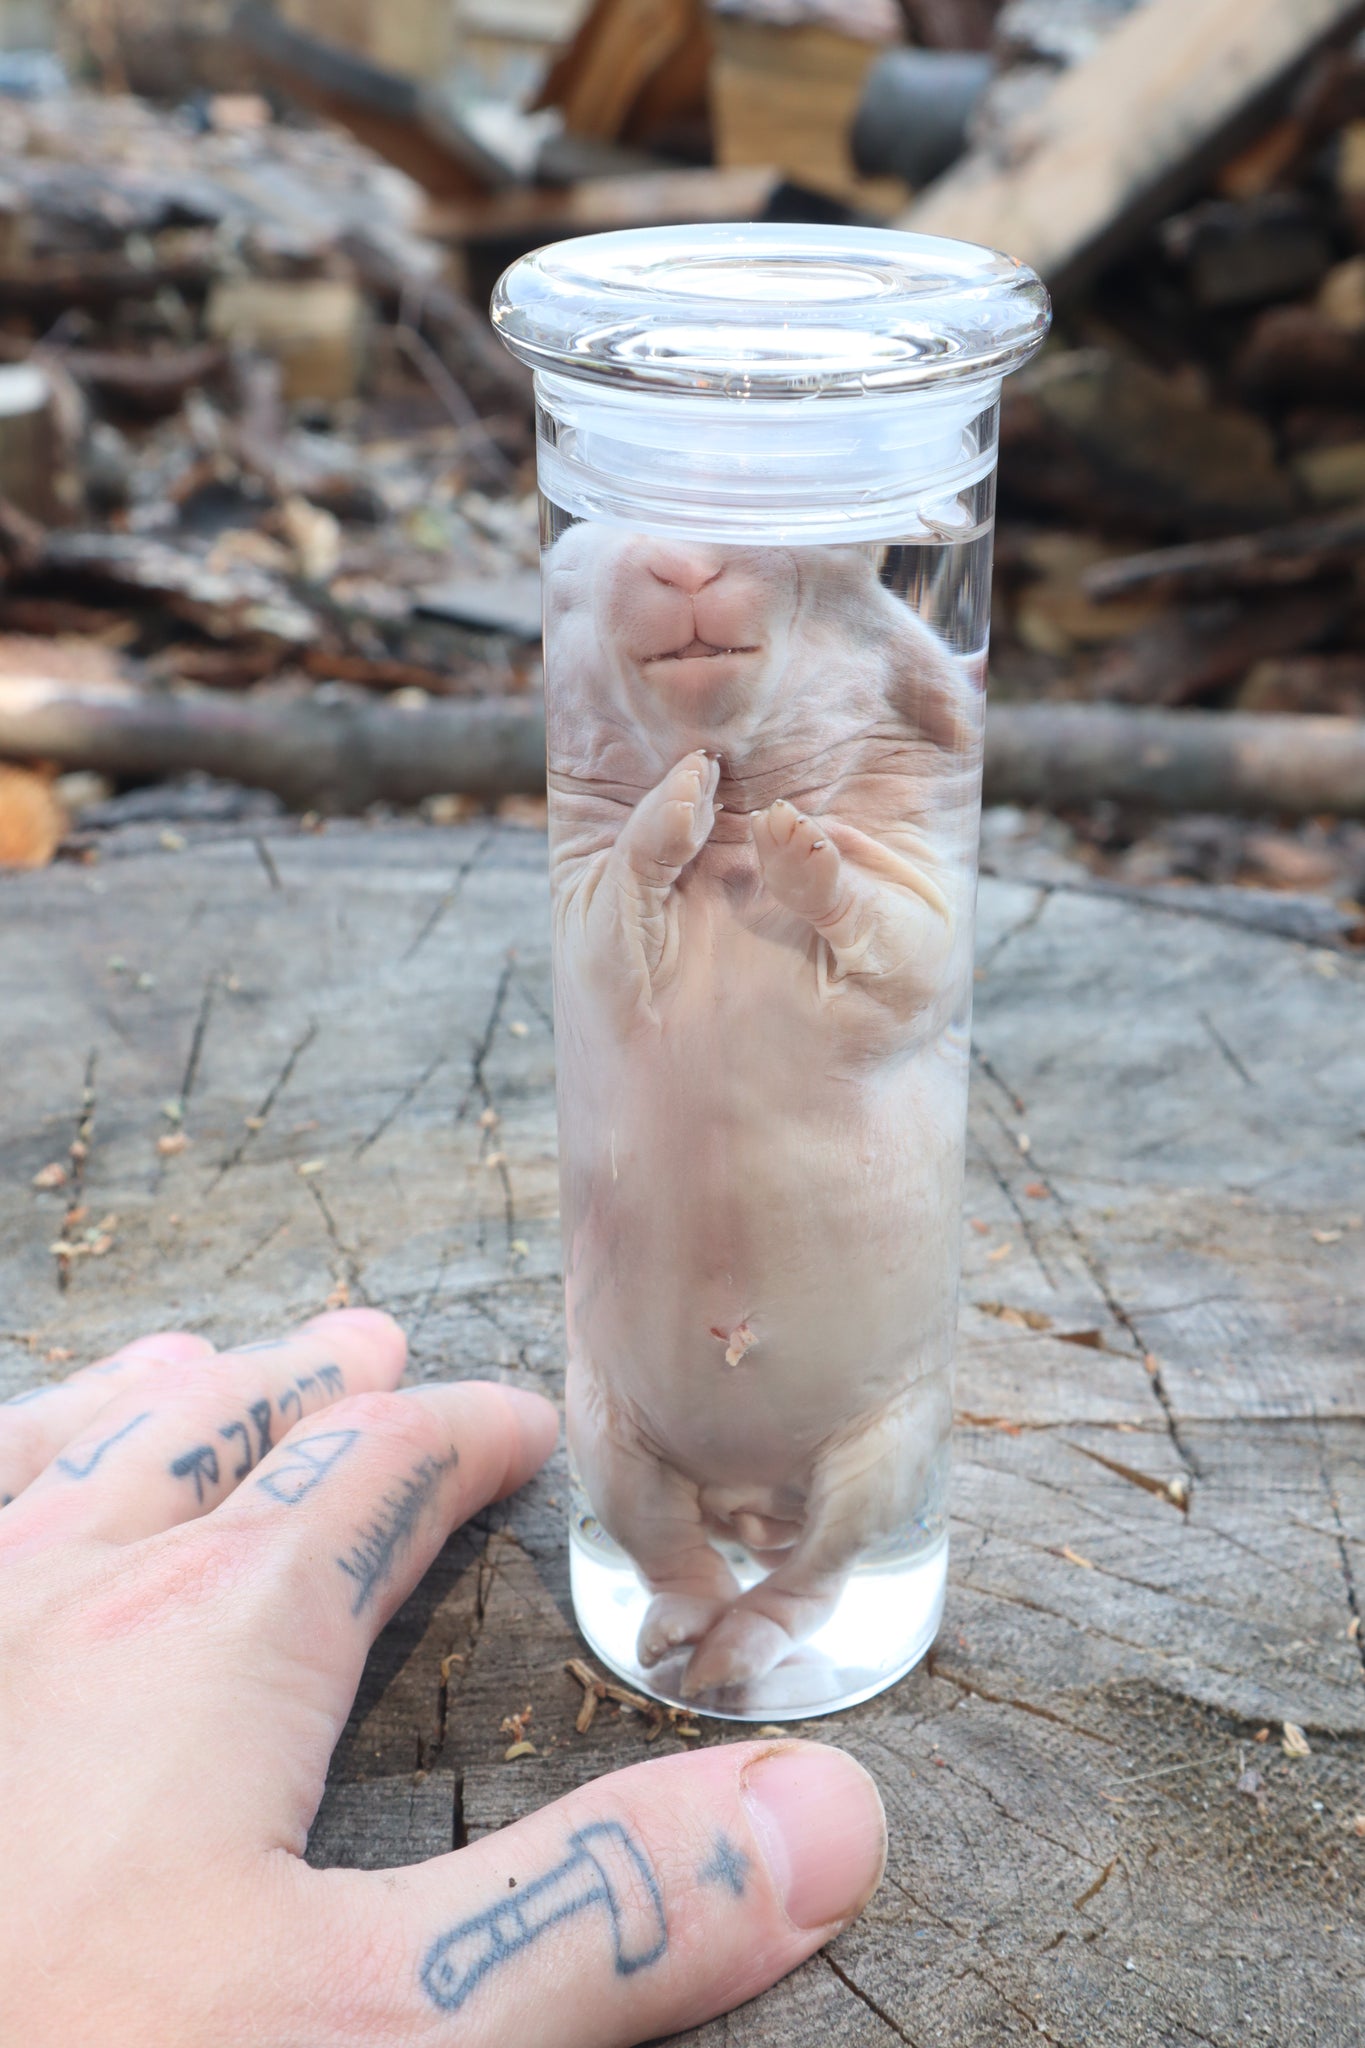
(606, 1872)
(306, 1464)
(727, 1867)
(83, 1467)
(370, 1560)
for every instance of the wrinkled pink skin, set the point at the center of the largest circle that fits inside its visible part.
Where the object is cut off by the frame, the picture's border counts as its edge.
(762, 869)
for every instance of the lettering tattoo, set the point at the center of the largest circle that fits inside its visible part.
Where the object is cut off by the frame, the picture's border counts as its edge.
(200, 1465)
(727, 1867)
(82, 1466)
(329, 1377)
(259, 1412)
(370, 1559)
(605, 1871)
(305, 1464)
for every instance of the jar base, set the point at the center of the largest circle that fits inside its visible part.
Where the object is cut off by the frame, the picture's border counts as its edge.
(886, 1619)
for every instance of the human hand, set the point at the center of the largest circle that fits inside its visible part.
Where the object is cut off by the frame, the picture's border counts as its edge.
(196, 1553)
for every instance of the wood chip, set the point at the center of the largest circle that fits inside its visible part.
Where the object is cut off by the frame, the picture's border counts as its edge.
(1002, 1251)
(53, 1175)
(1074, 1557)
(170, 1143)
(310, 1167)
(1295, 1742)
(1018, 1318)
(1326, 1236)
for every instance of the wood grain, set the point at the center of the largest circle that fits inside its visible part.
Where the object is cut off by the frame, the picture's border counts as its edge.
(1159, 1529)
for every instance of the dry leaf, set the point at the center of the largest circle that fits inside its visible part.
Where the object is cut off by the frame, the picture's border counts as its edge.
(1261, 1735)
(1295, 1742)
(32, 822)
(1018, 1318)
(51, 1176)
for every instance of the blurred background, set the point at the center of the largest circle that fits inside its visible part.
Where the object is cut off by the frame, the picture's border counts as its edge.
(267, 513)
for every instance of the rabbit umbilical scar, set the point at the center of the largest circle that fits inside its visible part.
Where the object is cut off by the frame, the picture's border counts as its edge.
(763, 779)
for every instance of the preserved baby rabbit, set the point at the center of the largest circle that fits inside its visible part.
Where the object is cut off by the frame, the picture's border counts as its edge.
(765, 633)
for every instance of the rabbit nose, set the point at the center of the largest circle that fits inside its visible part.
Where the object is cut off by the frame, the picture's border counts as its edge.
(684, 570)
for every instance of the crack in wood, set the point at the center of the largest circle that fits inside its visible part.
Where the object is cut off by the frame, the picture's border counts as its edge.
(80, 1160)
(1226, 1051)
(267, 861)
(1090, 1260)
(197, 1037)
(1013, 2005)
(851, 1984)
(1093, 1891)
(1254, 917)
(350, 1265)
(1343, 1545)
(1024, 1220)
(452, 895)
(409, 1095)
(253, 1251)
(936, 1668)
(273, 1094)
(1042, 898)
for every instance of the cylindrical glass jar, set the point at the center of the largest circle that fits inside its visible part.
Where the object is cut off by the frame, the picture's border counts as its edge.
(767, 462)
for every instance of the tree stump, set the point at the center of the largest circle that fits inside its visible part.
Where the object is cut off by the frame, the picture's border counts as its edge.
(1159, 1487)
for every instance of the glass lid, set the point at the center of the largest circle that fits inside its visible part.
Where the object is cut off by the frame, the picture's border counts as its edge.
(771, 311)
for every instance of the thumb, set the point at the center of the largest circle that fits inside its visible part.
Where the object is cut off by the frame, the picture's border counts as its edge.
(643, 1904)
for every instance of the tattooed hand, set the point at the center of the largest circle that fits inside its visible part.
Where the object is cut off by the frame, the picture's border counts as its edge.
(197, 1550)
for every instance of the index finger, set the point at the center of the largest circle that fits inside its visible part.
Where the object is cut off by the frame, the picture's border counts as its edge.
(40, 1422)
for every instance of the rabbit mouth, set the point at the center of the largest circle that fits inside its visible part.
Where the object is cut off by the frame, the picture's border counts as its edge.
(700, 650)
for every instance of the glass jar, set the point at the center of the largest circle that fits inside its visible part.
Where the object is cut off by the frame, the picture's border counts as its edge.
(766, 462)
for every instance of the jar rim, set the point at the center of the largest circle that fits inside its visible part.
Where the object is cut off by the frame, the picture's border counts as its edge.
(767, 310)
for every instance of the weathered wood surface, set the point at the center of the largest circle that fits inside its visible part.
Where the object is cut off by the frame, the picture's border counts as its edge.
(1168, 1159)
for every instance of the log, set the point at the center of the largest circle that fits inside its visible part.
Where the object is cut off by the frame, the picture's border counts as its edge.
(1064, 754)
(402, 119)
(344, 752)
(29, 441)
(1132, 131)
(786, 94)
(1106, 441)
(338, 754)
(1299, 553)
(634, 68)
(1296, 352)
(313, 327)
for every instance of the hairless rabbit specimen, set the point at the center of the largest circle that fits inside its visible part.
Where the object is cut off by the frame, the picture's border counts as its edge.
(763, 771)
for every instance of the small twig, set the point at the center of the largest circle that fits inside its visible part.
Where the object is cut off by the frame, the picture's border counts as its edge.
(452, 395)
